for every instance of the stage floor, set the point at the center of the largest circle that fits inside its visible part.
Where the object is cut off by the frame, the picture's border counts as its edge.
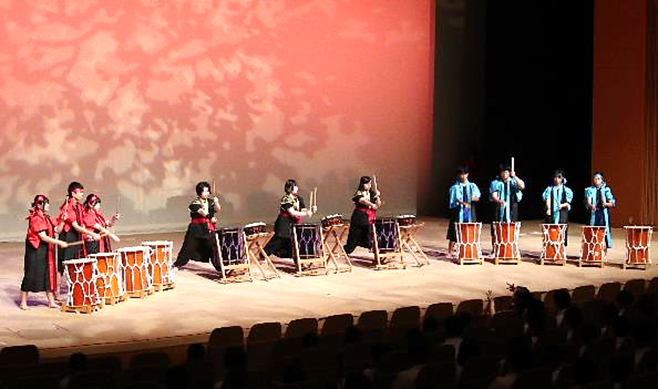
(200, 303)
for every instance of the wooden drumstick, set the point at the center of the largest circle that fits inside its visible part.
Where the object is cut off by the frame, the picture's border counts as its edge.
(310, 200)
(117, 205)
(512, 163)
(79, 242)
(374, 182)
(315, 196)
(213, 186)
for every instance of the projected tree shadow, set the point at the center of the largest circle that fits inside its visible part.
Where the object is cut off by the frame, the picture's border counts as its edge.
(144, 100)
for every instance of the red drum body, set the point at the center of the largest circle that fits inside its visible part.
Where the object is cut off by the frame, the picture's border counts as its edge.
(468, 241)
(135, 262)
(638, 242)
(506, 241)
(593, 248)
(553, 243)
(161, 263)
(81, 280)
(109, 280)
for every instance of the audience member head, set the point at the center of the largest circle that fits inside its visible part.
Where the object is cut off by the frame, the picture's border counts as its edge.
(562, 299)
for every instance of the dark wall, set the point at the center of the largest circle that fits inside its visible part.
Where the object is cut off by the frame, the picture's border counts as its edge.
(521, 85)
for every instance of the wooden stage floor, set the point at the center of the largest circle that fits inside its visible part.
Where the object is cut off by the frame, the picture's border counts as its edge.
(200, 303)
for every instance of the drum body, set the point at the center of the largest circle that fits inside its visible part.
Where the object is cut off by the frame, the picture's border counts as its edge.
(387, 235)
(468, 241)
(161, 263)
(553, 242)
(109, 280)
(232, 245)
(638, 241)
(406, 220)
(506, 240)
(308, 240)
(593, 247)
(136, 275)
(332, 220)
(81, 281)
(254, 229)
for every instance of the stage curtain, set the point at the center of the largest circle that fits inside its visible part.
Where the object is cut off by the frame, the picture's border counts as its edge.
(650, 198)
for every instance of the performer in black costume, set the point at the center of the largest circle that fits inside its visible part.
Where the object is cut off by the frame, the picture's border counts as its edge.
(367, 201)
(199, 243)
(291, 210)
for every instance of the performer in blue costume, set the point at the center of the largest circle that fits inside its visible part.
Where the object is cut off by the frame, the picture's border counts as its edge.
(557, 199)
(505, 192)
(599, 201)
(463, 195)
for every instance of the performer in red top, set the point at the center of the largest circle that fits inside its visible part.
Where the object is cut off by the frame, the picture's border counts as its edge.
(40, 269)
(94, 220)
(199, 243)
(70, 215)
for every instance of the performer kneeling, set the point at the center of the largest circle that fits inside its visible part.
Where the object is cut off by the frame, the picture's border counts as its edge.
(291, 210)
(199, 243)
(599, 200)
(366, 201)
(93, 219)
(558, 199)
(40, 271)
(463, 194)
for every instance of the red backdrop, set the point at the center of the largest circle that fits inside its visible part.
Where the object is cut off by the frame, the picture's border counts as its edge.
(141, 99)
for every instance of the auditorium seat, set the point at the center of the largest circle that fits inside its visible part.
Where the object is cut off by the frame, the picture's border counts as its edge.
(299, 327)
(609, 291)
(337, 324)
(636, 286)
(583, 294)
(224, 337)
(264, 332)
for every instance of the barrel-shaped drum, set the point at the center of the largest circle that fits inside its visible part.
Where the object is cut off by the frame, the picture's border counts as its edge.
(638, 242)
(136, 275)
(161, 263)
(80, 277)
(109, 279)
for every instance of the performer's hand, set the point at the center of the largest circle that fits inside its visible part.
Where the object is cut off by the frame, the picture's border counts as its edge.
(512, 173)
(592, 207)
(548, 212)
(213, 220)
(314, 208)
(62, 244)
(467, 206)
(115, 238)
(95, 236)
(309, 213)
(116, 216)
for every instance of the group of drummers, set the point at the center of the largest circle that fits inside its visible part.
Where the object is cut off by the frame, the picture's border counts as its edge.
(80, 228)
(506, 192)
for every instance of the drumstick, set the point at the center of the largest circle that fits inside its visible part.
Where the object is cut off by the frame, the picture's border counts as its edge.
(315, 196)
(79, 242)
(213, 186)
(117, 205)
(512, 163)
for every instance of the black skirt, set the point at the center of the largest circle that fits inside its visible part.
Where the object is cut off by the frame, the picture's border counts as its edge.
(199, 245)
(36, 273)
(71, 252)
